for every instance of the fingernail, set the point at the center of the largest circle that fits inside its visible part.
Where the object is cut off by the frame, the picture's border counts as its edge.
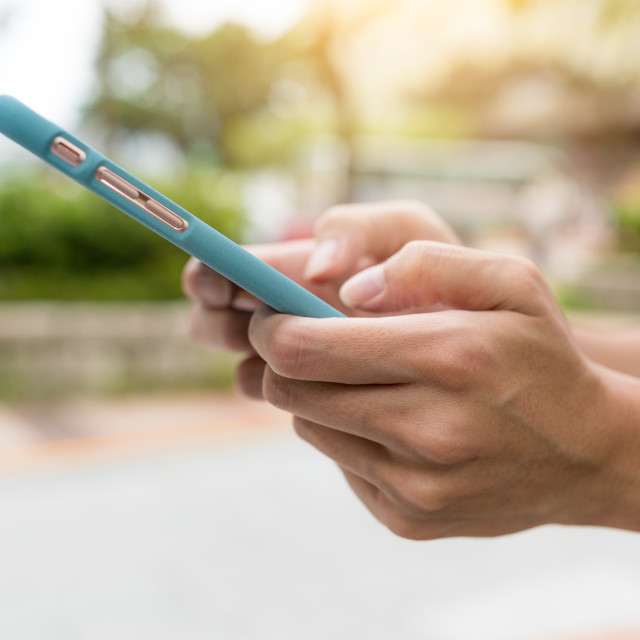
(322, 258)
(363, 287)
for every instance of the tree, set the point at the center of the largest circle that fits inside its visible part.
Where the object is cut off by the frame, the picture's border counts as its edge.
(195, 90)
(580, 92)
(224, 90)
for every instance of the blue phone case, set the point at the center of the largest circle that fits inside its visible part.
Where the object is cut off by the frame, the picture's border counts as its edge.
(149, 207)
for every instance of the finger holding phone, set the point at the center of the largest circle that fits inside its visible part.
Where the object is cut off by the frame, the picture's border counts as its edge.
(347, 239)
(456, 399)
(480, 419)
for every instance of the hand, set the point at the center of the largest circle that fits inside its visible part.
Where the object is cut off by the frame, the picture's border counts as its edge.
(479, 420)
(348, 238)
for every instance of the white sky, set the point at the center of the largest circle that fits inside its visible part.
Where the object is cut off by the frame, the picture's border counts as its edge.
(47, 49)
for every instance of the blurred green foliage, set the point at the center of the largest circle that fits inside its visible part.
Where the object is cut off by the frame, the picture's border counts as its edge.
(629, 229)
(228, 102)
(225, 102)
(626, 206)
(60, 241)
(224, 95)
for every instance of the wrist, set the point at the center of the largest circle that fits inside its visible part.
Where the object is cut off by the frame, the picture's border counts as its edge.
(620, 428)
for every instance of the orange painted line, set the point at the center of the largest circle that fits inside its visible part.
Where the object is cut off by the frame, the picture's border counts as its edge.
(76, 451)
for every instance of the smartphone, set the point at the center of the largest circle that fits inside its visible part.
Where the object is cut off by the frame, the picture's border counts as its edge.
(156, 212)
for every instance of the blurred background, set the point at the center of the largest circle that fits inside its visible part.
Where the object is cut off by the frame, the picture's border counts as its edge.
(517, 120)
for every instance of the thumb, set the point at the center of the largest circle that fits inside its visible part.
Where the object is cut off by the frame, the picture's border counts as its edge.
(424, 274)
(348, 236)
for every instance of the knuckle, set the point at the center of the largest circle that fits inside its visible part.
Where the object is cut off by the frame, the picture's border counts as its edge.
(413, 251)
(454, 366)
(448, 442)
(450, 359)
(334, 216)
(418, 530)
(419, 494)
(420, 508)
(415, 207)
(527, 273)
(286, 353)
(427, 224)
(379, 472)
(463, 358)
(526, 286)
(365, 418)
(403, 526)
(336, 211)
(449, 451)
(408, 270)
(437, 500)
(400, 486)
(415, 214)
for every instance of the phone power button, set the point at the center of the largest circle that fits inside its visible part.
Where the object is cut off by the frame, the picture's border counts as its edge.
(126, 190)
(67, 151)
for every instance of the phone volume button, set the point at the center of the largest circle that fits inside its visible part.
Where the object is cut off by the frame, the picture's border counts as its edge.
(165, 215)
(147, 204)
(116, 183)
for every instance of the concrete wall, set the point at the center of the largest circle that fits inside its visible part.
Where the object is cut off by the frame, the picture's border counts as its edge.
(51, 349)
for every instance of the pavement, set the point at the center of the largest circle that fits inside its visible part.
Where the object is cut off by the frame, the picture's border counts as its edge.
(87, 431)
(203, 517)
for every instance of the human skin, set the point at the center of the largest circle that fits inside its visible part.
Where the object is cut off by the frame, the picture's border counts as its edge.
(456, 400)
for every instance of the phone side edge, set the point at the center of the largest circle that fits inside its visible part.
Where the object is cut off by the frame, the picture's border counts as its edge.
(35, 133)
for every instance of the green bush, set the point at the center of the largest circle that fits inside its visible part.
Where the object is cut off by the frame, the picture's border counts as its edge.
(629, 229)
(59, 241)
(626, 209)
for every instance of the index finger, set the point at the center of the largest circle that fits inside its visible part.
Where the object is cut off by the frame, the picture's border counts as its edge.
(347, 351)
